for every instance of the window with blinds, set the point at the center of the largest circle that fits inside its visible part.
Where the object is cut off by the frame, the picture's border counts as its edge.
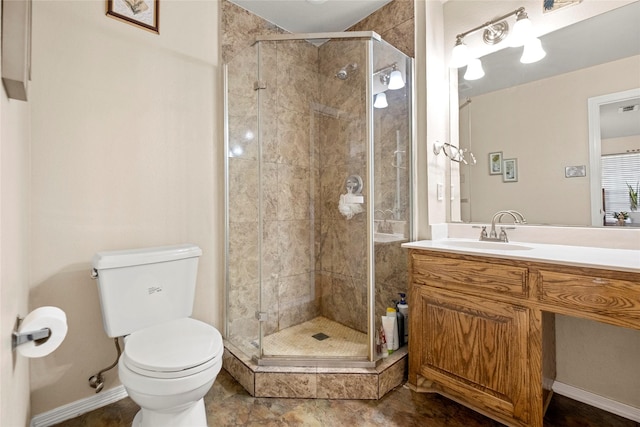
(618, 170)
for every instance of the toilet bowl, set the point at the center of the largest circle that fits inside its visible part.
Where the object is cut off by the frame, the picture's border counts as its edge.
(170, 360)
(168, 368)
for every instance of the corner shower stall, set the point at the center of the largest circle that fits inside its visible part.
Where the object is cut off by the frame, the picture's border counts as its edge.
(317, 195)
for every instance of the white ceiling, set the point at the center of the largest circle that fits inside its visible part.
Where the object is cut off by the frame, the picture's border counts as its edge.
(312, 16)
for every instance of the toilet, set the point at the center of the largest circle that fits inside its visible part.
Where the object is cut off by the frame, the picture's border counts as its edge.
(170, 360)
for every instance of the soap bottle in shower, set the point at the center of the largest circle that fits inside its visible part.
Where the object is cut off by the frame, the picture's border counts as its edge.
(403, 308)
(395, 338)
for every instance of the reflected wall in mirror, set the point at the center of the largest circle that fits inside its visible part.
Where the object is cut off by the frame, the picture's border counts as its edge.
(538, 114)
(614, 151)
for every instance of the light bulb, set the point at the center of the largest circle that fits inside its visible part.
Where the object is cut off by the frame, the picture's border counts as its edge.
(395, 80)
(460, 55)
(474, 70)
(522, 32)
(532, 52)
(380, 101)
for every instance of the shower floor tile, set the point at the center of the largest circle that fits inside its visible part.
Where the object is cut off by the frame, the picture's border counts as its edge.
(299, 340)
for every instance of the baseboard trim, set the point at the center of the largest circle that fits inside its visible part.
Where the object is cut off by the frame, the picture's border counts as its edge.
(79, 407)
(597, 401)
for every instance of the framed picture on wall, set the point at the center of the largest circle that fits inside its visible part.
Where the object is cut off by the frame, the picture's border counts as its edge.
(495, 163)
(143, 13)
(510, 170)
(551, 5)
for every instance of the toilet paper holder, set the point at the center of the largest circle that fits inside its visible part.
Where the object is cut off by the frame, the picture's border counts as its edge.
(39, 337)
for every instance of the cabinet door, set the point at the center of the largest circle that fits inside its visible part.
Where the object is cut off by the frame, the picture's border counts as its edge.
(475, 350)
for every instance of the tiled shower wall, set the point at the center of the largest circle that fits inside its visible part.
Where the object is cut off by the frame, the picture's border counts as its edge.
(342, 259)
(395, 23)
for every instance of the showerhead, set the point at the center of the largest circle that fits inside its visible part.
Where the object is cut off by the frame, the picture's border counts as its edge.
(343, 73)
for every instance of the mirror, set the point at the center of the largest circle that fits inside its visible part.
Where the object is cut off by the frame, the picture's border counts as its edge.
(614, 151)
(535, 119)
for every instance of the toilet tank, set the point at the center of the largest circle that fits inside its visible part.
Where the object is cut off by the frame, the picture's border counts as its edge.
(143, 287)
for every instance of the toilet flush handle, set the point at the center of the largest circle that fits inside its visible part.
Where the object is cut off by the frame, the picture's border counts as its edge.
(94, 273)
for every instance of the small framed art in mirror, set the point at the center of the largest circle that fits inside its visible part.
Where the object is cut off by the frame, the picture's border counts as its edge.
(510, 170)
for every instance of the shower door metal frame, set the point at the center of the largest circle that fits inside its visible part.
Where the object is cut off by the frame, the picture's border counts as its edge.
(319, 36)
(371, 273)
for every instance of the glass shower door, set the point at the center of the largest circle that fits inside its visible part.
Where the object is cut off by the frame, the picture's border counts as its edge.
(242, 166)
(313, 133)
(392, 149)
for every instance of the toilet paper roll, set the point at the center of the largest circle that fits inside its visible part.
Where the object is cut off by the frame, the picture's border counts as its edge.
(43, 317)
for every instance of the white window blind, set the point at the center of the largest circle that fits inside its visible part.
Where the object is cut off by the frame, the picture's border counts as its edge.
(618, 170)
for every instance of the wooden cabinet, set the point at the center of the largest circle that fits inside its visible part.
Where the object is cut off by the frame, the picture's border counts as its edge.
(482, 329)
(609, 298)
(477, 347)
(484, 278)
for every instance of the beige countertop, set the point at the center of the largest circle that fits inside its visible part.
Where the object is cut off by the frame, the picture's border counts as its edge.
(580, 256)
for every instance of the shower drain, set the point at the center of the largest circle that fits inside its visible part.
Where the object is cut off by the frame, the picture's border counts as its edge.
(320, 336)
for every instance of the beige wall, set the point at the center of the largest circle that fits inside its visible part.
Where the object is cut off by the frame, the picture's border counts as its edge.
(624, 144)
(431, 114)
(125, 153)
(544, 137)
(14, 255)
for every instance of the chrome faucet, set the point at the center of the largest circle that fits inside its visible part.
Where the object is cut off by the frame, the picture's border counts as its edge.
(518, 218)
(493, 236)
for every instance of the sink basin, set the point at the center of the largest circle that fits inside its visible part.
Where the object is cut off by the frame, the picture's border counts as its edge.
(494, 246)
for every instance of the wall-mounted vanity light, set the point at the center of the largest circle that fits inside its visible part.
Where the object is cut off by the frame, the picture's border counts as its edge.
(390, 78)
(380, 101)
(494, 32)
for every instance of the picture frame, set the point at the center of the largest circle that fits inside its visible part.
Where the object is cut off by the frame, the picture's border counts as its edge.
(495, 163)
(510, 170)
(553, 5)
(143, 13)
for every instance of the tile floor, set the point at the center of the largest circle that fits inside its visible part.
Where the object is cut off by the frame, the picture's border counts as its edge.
(228, 404)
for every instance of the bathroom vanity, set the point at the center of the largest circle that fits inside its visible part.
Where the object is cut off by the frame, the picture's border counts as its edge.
(482, 328)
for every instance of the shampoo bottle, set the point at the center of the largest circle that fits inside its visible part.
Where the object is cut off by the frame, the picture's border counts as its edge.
(403, 308)
(383, 342)
(395, 343)
(400, 325)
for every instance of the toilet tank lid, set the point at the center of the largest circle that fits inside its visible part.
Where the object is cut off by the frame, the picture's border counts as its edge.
(125, 258)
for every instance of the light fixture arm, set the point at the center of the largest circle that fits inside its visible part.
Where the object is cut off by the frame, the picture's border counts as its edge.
(388, 68)
(494, 21)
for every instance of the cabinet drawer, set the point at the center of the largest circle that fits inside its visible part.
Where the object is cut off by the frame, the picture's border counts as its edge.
(464, 275)
(600, 295)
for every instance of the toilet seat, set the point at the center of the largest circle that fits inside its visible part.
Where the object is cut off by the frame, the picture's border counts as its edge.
(173, 349)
